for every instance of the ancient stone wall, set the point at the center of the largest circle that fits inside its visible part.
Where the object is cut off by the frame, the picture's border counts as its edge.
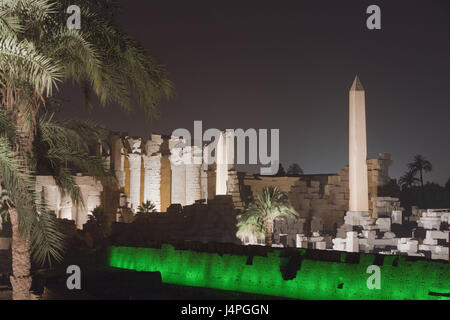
(212, 222)
(322, 196)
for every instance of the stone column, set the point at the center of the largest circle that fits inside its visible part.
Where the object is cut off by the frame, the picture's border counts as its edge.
(90, 190)
(66, 210)
(178, 171)
(135, 161)
(193, 159)
(221, 166)
(94, 199)
(52, 198)
(359, 190)
(118, 159)
(81, 213)
(204, 175)
(135, 181)
(152, 173)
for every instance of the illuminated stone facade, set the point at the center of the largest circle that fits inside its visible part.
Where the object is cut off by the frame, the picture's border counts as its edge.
(91, 195)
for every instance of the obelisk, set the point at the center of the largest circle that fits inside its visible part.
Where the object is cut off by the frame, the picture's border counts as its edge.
(359, 190)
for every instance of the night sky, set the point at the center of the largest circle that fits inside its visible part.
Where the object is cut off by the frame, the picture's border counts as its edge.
(289, 65)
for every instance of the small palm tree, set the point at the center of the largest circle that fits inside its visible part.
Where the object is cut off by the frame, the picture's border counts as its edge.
(408, 180)
(419, 166)
(259, 216)
(146, 208)
(295, 169)
(145, 212)
(99, 220)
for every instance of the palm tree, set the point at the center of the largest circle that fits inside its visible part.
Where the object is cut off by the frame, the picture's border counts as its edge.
(55, 145)
(146, 208)
(295, 169)
(408, 180)
(145, 213)
(99, 221)
(419, 166)
(250, 229)
(260, 214)
(37, 51)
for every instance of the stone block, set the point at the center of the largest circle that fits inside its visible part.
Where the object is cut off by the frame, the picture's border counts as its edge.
(438, 235)
(339, 244)
(397, 217)
(352, 242)
(320, 245)
(389, 235)
(384, 224)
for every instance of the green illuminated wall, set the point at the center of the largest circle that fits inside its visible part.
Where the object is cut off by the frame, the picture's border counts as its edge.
(314, 280)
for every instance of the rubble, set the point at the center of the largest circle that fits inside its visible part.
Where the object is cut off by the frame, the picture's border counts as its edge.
(379, 238)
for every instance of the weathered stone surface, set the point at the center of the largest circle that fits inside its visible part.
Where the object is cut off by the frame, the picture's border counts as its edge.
(90, 190)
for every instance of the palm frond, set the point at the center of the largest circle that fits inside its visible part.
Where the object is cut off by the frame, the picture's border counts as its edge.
(9, 22)
(65, 147)
(21, 62)
(46, 239)
(6, 127)
(19, 190)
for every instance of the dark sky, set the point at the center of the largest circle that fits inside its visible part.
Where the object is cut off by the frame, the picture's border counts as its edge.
(289, 65)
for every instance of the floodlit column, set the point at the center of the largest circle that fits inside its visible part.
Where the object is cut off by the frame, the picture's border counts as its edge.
(152, 173)
(94, 199)
(178, 172)
(82, 211)
(118, 159)
(193, 159)
(224, 160)
(135, 158)
(152, 180)
(66, 208)
(90, 191)
(359, 193)
(135, 181)
(52, 198)
(204, 173)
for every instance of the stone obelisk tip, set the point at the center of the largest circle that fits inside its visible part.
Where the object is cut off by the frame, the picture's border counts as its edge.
(357, 85)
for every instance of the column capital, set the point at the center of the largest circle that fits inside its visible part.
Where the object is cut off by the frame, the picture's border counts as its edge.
(193, 155)
(176, 146)
(134, 145)
(153, 145)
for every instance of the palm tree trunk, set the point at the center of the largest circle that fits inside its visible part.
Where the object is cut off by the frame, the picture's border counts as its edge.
(268, 228)
(21, 260)
(421, 179)
(422, 191)
(21, 249)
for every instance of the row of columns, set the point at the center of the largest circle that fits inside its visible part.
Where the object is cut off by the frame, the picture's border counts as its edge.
(189, 173)
(62, 205)
(150, 160)
(191, 178)
(186, 165)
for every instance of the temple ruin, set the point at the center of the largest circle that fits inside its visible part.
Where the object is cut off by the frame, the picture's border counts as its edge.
(195, 200)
